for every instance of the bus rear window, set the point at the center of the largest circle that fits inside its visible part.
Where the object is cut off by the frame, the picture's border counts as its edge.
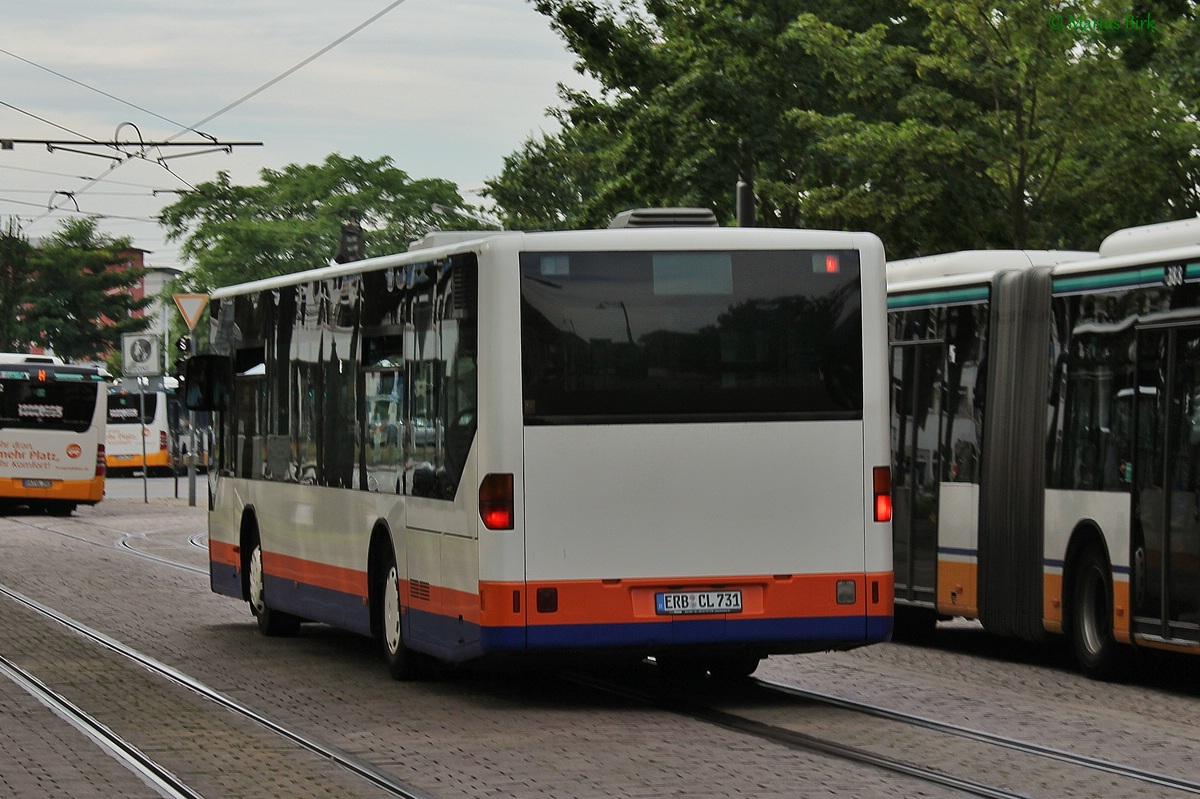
(679, 336)
(130, 408)
(47, 405)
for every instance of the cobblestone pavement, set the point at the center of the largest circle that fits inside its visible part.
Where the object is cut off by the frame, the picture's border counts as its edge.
(472, 733)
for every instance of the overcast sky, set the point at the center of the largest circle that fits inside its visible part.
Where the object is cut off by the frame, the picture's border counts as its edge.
(446, 88)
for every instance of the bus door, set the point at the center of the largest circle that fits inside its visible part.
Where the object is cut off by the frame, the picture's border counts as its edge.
(1166, 484)
(916, 380)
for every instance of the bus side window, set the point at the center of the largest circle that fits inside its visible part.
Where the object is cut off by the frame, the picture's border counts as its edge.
(207, 383)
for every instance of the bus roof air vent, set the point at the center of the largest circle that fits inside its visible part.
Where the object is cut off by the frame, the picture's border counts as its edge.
(665, 217)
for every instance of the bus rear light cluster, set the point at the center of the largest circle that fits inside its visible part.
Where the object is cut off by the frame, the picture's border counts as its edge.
(162, 440)
(496, 503)
(101, 462)
(883, 493)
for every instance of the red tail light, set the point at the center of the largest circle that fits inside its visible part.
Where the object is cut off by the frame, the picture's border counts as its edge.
(162, 440)
(883, 493)
(496, 502)
(101, 464)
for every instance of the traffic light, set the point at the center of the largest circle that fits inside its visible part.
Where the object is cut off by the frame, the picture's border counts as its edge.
(184, 343)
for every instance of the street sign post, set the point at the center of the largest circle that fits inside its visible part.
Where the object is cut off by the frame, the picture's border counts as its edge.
(190, 307)
(141, 354)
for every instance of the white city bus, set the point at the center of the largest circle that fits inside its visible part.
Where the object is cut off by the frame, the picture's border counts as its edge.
(670, 442)
(51, 433)
(1046, 441)
(140, 427)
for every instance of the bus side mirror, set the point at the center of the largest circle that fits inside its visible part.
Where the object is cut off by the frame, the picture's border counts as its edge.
(208, 383)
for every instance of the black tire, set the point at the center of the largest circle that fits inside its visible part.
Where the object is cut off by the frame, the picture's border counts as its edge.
(1096, 651)
(737, 666)
(270, 622)
(914, 625)
(403, 664)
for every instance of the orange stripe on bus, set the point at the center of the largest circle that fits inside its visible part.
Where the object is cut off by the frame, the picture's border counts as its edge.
(624, 601)
(68, 490)
(1122, 612)
(227, 554)
(335, 578)
(956, 589)
(421, 595)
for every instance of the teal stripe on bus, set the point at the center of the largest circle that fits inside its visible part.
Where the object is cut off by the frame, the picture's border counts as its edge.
(1155, 275)
(940, 297)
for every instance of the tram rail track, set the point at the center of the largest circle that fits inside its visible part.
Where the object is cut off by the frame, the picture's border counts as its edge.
(678, 700)
(787, 736)
(356, 766)
(125, 541)
(1007, 742)
(158, 777)
(792, 739)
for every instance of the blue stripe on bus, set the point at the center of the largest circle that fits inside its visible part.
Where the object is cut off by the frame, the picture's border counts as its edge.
(1049, 563)
(323, 604)
(851, 629)
(962, 553)
(225, 579)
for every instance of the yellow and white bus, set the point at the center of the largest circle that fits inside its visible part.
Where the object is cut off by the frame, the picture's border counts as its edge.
(139, 427)
(1046, 441)
(668, 442)
(51, 433)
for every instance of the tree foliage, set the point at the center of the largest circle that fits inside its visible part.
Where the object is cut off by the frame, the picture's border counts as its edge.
(15, 252)
(939, 124)
(292, 220)
(79, 299)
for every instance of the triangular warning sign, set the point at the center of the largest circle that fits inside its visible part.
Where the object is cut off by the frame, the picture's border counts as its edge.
(191, 306)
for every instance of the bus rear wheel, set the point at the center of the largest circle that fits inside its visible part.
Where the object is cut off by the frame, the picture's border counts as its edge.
(402, 663)
(1096, 650)
(270, 622)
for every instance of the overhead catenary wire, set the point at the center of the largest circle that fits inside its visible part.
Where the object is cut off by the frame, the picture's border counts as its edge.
(222, 111)
(94, 89)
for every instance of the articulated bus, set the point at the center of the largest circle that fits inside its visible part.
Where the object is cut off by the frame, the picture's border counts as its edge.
(51, 433)
(665, 442)
(1046, 442)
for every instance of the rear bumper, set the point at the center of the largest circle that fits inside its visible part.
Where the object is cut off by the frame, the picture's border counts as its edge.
(84, 492)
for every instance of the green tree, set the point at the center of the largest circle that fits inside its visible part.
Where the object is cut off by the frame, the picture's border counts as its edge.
(80, 302)
(548, 184)
(690, 95)
(1077, 140)
(292, 220)
(15, 252)
(693, 97)
(938, 124)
